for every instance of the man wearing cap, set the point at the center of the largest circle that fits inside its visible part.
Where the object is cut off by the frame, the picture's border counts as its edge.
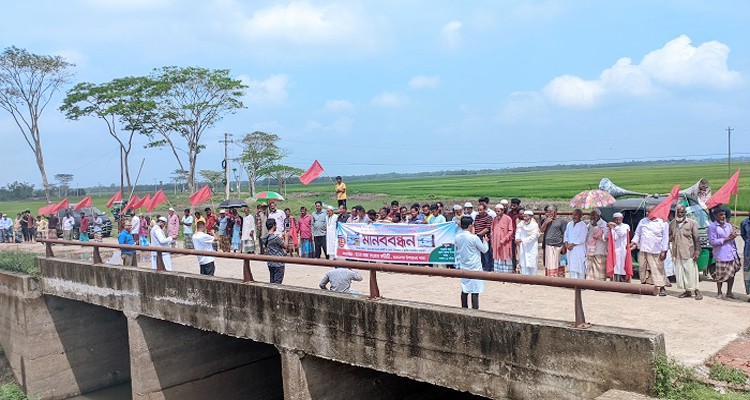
(652, 240)
(686, 248)
(619, 234)
(159, 239)
(596, 247)
(574, 241)
(458, 212)
(527, 240)
(483, 229)
(340, 191)
(553, 229)
(469, 209)
(319, 228)
(502, 240)
(223, 231)
(83, 228)
(514, 212)
(173, 227)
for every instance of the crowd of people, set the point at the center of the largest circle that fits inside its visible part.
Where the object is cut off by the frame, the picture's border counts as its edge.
(27, 229)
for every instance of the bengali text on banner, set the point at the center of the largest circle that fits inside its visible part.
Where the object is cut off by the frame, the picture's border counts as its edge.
(397, 243)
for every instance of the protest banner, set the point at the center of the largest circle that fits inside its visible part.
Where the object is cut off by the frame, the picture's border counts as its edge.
(397, 243)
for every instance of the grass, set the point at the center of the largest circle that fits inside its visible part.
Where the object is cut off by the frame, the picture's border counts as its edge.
(11, 391)
(551, 185)
(724, 373)
(19, 261)
(676, 381)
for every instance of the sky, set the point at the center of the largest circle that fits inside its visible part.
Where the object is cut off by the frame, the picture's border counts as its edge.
(406, 86)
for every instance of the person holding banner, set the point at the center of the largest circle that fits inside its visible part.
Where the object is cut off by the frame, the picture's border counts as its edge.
(469, 248)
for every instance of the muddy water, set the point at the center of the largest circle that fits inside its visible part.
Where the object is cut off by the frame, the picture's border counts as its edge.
(119, 392)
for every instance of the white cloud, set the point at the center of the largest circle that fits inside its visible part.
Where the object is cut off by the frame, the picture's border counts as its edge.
(677, 64)
(342, 125)
(272, 90)
(389, 100)
(302, 23)
(451, 33)
(424, 82)
(339, 105)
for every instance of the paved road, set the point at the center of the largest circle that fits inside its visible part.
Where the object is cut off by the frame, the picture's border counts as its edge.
(694, 330)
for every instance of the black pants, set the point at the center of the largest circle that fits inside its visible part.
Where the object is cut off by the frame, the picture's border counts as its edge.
(342, 203)
(25, 232)
(474, 300)
(208, 269)
(488, 264)
(320, 246)
(277, 274)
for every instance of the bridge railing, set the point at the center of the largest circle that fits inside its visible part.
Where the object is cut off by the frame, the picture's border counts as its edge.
(373, 267)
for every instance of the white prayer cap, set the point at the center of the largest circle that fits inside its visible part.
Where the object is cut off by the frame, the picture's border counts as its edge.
(499, 207)
(329, 208)
(171, 209)
(468, 205)
(617, 215)
(163, 219)
(504, 202)
(222, 211)
(457, 207)
(528, 212)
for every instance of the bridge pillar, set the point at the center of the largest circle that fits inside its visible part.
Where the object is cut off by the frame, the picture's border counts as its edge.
(168, 360)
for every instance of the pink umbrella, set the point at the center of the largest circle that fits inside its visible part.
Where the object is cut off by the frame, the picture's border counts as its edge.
(592, 199)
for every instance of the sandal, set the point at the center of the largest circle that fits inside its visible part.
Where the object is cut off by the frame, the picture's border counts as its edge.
(731, 295)
(684, 294)
(698, 295)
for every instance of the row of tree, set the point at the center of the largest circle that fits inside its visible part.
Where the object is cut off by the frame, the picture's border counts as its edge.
(172, 106)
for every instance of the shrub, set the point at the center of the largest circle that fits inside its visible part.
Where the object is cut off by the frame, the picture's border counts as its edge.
(725, 373)
(19, 261)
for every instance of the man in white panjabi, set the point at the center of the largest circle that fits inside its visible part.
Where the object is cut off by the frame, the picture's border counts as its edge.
(596, 247)
(160, 239)
(527, 240)
(331, 234)
(620, 236)
(652, 240)
(574, 241)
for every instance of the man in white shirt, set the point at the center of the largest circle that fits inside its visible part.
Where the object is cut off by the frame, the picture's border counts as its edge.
(160, 239)
(204, 242)
(6, 228)
(248, 232)
(68, 222)
(652, 240)
(469, 249)
(276, 214)
(136, 222)
(187, 229)
(619, 234)
(574, 241)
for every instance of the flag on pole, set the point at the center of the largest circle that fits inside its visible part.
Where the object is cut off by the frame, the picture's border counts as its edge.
(663, 208)
(63, 204)
(85, 202)
(312, 173)
(131, 204)
(143, 202)
(725, 192)
(200, 196)
(47, 209)
(116, 197)
(159, 197)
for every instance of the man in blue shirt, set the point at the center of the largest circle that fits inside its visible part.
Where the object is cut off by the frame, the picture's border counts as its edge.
(125, 237)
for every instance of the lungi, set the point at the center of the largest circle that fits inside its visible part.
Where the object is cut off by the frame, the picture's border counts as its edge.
(504, 266)
(686, 272)
(725, 270)
(98, 236)
(188, 238)
(597, 267)
(552, 267)
(224, 243)
(306, 248)
(651, 269)
(248, 246)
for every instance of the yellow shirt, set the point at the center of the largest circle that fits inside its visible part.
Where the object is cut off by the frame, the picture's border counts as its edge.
(341, 191)
(201, 219)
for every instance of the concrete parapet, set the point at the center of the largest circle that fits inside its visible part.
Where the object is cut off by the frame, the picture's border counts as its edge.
(488, 354)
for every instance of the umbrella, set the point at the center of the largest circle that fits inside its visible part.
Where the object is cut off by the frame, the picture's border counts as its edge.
(591, 199)
(265, 197)
(232, 203)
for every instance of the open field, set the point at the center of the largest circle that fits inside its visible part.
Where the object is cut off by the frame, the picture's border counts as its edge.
(557, 185)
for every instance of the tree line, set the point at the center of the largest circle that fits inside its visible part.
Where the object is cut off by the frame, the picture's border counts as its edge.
(172, 106)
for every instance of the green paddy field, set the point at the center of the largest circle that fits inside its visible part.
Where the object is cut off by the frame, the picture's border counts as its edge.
(558, 185)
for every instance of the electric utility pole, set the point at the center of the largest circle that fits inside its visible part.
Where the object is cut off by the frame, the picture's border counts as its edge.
(225, 164)
(729, 150)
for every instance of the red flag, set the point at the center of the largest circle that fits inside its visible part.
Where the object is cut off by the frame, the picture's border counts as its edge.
(143, 202)
(722, 195)
(116, 197)
(84, 203)
(312, 173)
(200, 196)
(131, 204)
(47, 209)
(612, 257)
(159, 197)
(293, 232)
(60, 206)
(663, 208)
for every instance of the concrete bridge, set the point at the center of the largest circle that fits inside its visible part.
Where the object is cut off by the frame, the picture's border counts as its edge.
(82, 327)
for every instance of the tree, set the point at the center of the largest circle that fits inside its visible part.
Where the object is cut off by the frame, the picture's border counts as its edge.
(64, 180)
(213, 177)
(178, 178)
(189, 101)
(282, 174)
(27, 84)
(123, 104)
(17, 191)
(259, 155)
